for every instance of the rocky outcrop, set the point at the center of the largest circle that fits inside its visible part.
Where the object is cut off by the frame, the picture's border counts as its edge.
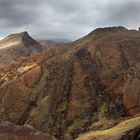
(15, 132)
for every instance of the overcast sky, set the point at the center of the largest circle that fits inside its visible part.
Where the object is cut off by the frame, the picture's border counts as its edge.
(66, 19)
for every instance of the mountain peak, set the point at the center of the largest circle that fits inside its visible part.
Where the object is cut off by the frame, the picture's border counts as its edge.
(108, 30)
(114, 28)
(18, 35)
(16, 39)
(24, 34)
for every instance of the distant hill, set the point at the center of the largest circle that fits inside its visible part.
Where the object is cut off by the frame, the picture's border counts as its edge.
(61, 40)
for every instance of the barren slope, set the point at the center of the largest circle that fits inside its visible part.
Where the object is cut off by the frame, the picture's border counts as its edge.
(67, 90)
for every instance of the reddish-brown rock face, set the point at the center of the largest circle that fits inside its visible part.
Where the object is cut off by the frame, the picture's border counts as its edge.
(16, 97)
(64, 91)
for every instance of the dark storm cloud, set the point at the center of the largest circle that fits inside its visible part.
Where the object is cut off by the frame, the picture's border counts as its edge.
(69, 19)
(15, 13)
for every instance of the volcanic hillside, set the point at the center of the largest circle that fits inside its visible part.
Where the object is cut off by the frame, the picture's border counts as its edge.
(88, 89)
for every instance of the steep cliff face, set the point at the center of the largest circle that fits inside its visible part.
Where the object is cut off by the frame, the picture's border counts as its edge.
(68, 90)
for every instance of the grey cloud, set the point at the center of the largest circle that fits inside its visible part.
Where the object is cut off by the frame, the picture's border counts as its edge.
(124, 13)
(15, 14)
(68, 19)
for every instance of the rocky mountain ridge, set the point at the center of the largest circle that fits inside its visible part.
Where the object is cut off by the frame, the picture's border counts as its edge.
(88, 85)
(21, 45)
